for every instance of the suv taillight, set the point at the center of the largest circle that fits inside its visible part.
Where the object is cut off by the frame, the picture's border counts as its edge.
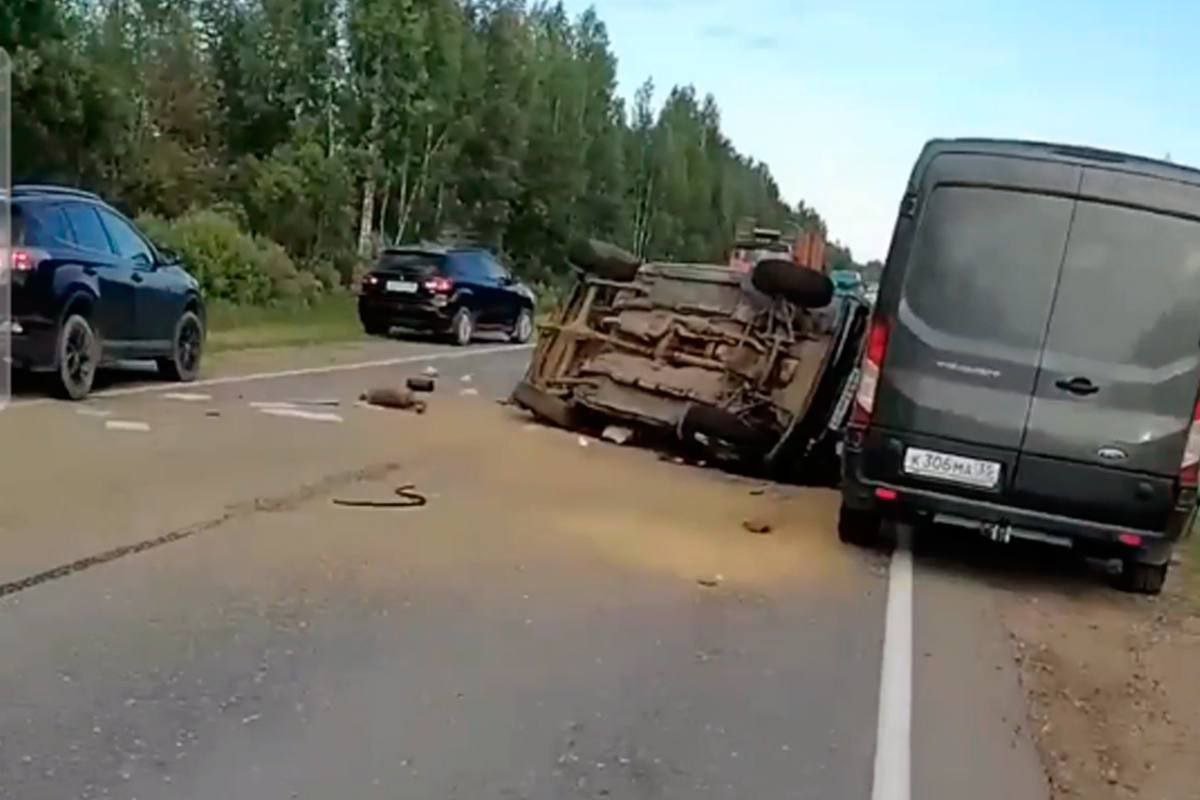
(26, 259)
(439, 285)
(1189, 468)
(872, 363)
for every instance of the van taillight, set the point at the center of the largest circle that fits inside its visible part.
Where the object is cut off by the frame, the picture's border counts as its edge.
(1189, 469)
(872, 363)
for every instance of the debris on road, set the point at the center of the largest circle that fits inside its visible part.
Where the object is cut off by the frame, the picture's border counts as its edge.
(316, 401)
(466, 379)
(470, 392)
(758, 491)
(393, 397)
(420, 384)
(408, 494)
(188, 397)
(212, 412)
(583, 441)
(126, 425)
(299, 413)
(617, 434)
(430, 371)
(757, 526)
(712, 581)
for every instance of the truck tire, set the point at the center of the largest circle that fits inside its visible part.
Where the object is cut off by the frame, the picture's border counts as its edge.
(806, 288)
(544, 405)
(604, 260)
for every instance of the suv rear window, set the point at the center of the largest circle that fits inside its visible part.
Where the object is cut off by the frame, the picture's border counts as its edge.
(984, 264)
(40, 226)
(412, 262)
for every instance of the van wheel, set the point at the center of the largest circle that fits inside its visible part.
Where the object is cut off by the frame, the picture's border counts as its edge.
(1139, 577)
(807, 288)
(78, 357)
(859, 527)
(604, 260)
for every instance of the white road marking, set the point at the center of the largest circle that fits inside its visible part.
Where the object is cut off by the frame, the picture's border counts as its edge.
(93, 412)
(126, 425)
(893, 738)
(188, 397)
(295, 373)
(299, 413)
(272, 404)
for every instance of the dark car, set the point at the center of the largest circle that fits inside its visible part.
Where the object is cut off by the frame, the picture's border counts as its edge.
(88, 288)
(445, 291)
(1032, 366)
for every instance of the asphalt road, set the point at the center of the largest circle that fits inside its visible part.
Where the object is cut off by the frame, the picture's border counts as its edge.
(185, 613)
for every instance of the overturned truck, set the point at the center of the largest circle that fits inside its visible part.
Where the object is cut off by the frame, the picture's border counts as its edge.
(754, 366)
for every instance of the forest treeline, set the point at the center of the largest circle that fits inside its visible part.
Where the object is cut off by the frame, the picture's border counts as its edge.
(279, 143)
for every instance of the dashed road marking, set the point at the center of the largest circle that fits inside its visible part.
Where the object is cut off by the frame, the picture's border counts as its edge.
(299, 413)
(188, 397)
(126, 425)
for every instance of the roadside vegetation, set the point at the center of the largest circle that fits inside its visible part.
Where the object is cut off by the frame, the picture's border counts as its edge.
(277, 144)
(331, 318)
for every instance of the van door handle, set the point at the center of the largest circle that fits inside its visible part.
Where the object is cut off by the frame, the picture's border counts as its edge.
(1080, 386)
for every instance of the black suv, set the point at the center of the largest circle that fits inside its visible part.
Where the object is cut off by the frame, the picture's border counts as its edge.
(88, 288)
(445, 290)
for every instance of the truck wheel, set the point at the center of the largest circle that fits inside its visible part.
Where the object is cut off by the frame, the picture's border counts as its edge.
(783, 279)
(544, 405)
(604, 260)
(1139, 577)
(859, 527)
(78, 357)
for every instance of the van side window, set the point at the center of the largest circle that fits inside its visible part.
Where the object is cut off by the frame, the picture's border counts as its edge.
(984, 264)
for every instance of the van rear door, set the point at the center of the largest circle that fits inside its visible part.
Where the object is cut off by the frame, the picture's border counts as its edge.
(1121, 361)
(967, 332)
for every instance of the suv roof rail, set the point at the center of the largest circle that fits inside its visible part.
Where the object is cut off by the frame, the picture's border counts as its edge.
(40, 188)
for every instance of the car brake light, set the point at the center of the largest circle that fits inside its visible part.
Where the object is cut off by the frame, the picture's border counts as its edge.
(1189, 468)
(25, 259)
(439, 285)
(872, 363)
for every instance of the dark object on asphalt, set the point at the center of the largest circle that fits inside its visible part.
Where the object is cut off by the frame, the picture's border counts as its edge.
(420, 384)
(712, 582)
(393, 397)
(698, 354)
(89, 289)
(449, 291)
(1032, 368)
(757, 526)
(410, 498)
(212, 413)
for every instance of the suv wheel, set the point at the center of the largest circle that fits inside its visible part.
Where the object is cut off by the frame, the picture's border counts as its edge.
(859, 527)
(186, 348)
(78, 357)
(1142, 578)
(522, 330)
(462, 328)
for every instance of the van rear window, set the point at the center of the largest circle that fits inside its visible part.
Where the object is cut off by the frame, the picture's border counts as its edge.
(984, 264)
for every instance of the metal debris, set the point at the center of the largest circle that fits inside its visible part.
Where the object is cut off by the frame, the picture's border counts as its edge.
(393, 397)
(712, 581)
(617, 434)
(420, 384)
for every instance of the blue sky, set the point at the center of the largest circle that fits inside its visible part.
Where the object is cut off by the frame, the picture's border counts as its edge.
(839, 97)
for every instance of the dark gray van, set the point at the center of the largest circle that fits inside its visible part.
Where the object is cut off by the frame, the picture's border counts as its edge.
(1033, 362)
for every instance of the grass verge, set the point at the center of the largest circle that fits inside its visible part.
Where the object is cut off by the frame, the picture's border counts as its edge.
(333, 318)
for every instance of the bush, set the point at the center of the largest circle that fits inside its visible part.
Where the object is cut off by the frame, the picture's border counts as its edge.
(230, 264)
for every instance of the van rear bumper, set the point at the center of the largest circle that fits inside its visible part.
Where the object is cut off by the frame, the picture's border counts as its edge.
(921, 504)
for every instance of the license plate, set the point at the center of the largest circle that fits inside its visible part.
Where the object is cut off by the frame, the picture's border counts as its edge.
(404, 287)
(956, 469)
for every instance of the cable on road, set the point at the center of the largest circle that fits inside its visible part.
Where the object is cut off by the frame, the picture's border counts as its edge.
(410, 498)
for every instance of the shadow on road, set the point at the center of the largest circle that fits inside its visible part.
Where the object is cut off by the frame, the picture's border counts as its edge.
(31, 385)
(1018, 566)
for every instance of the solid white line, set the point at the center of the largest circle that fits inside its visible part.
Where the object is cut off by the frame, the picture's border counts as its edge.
(187, 397)
(294, 373)
(893, 738)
